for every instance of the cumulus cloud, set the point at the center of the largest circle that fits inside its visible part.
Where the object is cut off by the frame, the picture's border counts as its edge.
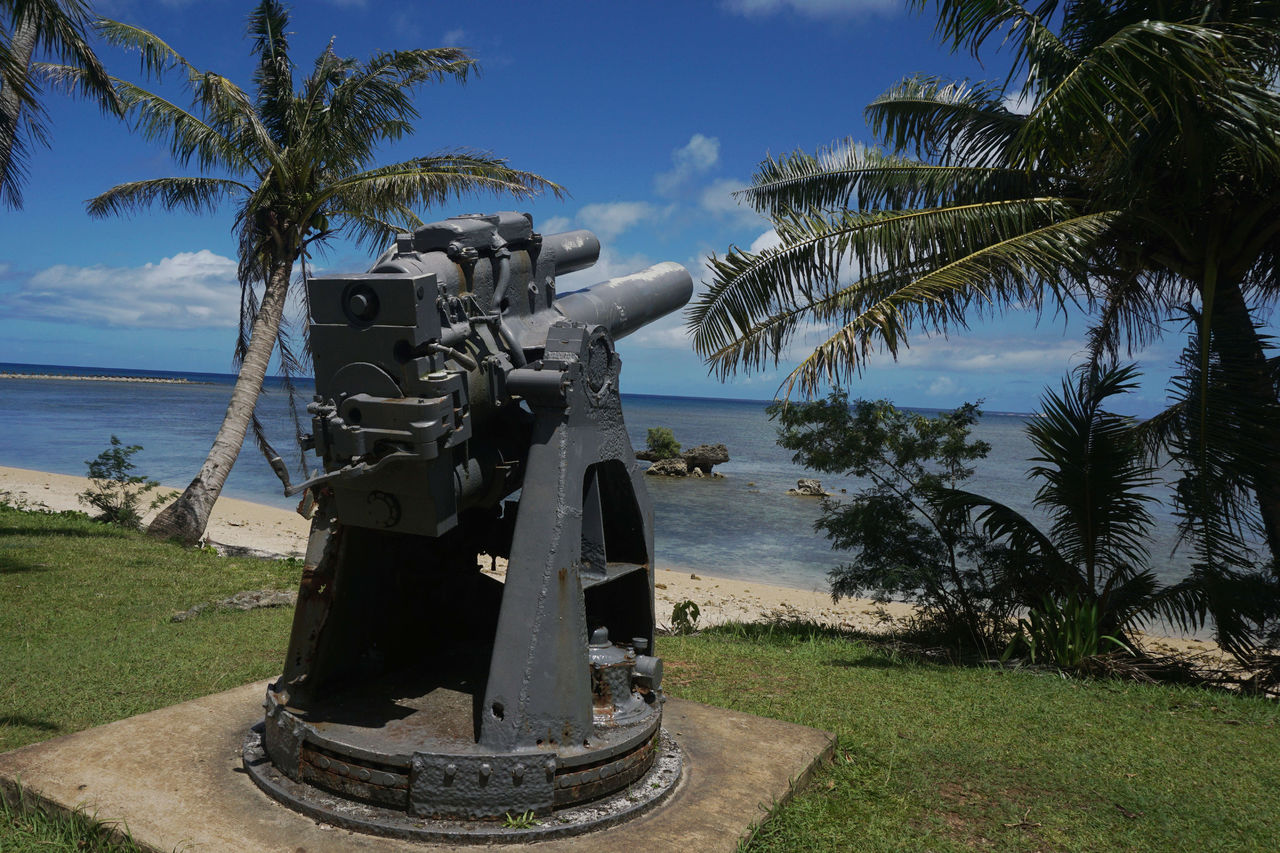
(696, 157)
(1018, 102)
(554, 225)
(612, 264)
(610, 219)
(992, 355)
(809, 8)
(943, 386)
(767, 240)
(453, 38)
(717, 198)
(187, 291)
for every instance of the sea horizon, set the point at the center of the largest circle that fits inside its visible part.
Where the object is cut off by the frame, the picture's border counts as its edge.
(277, 380)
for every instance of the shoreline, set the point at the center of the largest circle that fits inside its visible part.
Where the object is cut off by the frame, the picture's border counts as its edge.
(155, 380)
(270, 530)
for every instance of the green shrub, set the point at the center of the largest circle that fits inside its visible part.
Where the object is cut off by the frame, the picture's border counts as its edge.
(684, 617)
(1068, 634)
(115, 491)
(662, 443)
(902, 544)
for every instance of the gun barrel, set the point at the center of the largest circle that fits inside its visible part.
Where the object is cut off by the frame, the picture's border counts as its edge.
(624, 304)
(572, 250)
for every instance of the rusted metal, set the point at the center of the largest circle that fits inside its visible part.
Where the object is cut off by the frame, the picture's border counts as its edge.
(450, 378)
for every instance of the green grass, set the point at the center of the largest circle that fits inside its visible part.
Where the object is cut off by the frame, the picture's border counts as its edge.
(930, 757)
(934, 757)
(27, 827)
(85, 635)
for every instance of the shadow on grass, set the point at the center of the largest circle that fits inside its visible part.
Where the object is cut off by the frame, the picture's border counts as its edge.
(870, 662)
(885, 651)
(11, 565)
(96, 531)
(28, 722)
(785, 629)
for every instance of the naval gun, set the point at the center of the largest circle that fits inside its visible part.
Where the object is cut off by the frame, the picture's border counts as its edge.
(465, 409)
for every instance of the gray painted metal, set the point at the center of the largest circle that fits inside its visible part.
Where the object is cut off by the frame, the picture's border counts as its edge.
(450, 377)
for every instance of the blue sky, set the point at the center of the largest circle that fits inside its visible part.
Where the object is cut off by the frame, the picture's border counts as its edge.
(650, 114)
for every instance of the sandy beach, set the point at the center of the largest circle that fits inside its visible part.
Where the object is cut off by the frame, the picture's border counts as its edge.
(243, 524)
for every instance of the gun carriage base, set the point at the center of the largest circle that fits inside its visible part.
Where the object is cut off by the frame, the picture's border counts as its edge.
(464, 410)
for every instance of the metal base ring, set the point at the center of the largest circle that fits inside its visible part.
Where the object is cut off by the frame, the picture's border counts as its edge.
(647, 791)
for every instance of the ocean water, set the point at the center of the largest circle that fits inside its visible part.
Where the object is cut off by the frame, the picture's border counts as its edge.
(741, 526)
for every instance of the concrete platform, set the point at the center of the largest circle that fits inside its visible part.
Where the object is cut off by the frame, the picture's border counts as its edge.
(174, 778)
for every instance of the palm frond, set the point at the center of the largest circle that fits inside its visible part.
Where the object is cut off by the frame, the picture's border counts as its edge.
(60, 30)
(196, 195)
(917, 284)
(1116, 90)
(187, 136)
(156, 57)
(944, 121)
(1093, 474)
(385, 191)
(273, 76)
(846, 174)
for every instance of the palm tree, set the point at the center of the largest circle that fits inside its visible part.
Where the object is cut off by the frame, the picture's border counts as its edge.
(1093, 475)
(1144, 179)
(58, 28)
(296, 162)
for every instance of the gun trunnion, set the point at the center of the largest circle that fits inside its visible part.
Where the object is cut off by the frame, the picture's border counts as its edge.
(464, 408)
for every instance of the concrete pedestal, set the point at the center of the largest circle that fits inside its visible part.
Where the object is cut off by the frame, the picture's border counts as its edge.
(174, 778)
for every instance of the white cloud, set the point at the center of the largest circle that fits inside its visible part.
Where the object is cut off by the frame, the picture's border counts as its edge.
(610, 219)
(696, 157)
(554, 225)
(1018, 102)
(187, 291)
(767, 240)
(992, 355)
(611, 265)
(667, 333)
(943, 386)
(718, 198)
(453, 38)
(810, 8)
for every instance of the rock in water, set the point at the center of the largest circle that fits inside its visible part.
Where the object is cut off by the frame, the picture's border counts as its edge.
(706, 457)
(809, 488)
(668, 468)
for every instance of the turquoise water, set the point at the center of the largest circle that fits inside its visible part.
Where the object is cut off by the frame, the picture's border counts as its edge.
(743, 525)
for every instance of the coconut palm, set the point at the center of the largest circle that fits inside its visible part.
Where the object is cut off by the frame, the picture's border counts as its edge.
(295, 160)
(1094, 476)
(28, 27)
(1144, 178)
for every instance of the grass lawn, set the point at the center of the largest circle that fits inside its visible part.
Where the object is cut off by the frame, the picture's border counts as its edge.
(930, 757)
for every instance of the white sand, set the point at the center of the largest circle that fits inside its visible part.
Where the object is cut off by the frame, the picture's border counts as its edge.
(245, 524)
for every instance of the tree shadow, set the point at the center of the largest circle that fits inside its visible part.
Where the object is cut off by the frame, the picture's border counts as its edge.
(11, 564)
(28, 722)
(107, 532)
(877, 662)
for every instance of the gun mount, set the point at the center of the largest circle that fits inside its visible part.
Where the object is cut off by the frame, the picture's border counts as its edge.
(465, 408)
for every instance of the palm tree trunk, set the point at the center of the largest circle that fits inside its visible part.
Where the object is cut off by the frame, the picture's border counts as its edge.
(1241, 345)
(186, 518)
(21, 48)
